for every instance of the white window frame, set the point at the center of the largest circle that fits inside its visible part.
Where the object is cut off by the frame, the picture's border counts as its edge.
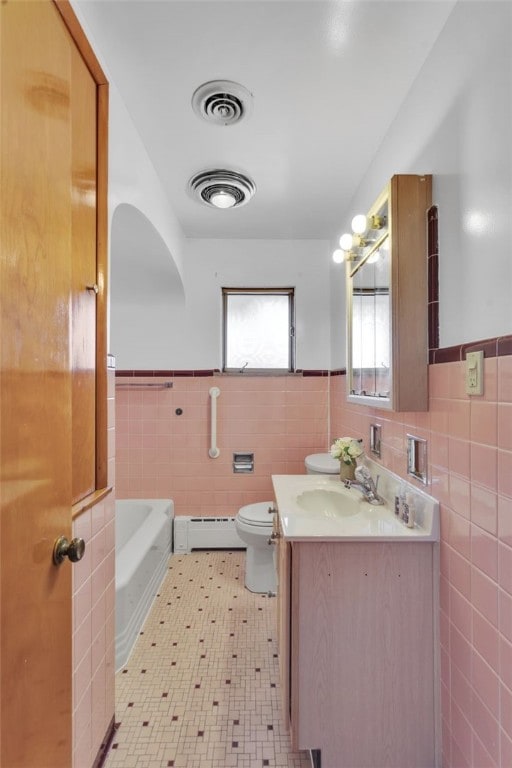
(290, 293)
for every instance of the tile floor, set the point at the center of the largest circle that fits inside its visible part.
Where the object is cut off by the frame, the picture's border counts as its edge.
(201, 687)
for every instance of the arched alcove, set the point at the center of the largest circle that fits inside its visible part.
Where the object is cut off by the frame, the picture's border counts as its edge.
(147, 294)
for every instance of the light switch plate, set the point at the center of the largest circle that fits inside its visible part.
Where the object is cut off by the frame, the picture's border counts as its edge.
(474, 373)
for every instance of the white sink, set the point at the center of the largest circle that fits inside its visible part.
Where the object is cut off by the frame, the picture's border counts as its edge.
(329, 503)
(320, 508)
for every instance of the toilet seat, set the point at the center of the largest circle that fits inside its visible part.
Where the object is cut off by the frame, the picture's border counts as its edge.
(256, 514)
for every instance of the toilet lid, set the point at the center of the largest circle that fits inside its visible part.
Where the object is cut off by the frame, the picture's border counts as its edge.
(256, 514)
(323, 462)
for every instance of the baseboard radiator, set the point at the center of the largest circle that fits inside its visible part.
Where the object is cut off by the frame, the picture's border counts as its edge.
(205, 533)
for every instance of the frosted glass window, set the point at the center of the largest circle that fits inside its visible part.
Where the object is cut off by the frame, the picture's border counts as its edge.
(258, 330)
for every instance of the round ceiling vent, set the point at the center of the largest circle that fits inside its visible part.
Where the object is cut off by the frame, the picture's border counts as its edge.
(222, 102)
(222, 188)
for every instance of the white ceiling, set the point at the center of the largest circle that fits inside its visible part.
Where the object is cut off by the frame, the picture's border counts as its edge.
(327, 78)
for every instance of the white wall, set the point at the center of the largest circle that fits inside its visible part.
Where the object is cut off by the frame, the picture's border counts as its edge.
(456, 123)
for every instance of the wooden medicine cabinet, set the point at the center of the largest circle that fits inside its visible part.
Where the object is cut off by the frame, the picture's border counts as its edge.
(387, 300)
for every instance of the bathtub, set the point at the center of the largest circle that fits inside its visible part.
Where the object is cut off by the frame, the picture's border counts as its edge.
(143, 546)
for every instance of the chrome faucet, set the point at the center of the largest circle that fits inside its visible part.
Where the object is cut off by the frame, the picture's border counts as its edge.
(364, 483)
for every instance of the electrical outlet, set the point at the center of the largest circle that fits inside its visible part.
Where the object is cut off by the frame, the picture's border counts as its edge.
(474, 373)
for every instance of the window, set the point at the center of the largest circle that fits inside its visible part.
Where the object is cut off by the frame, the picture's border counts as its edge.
(258, 329)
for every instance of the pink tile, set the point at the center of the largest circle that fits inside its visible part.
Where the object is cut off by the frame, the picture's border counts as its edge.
(484, 595)
(505, 473)
(460, 613)
(505, 426)
(82, 715)
(484, 552)
(459, 457)
(506, 662)
(505, 519)
(484, 509)
(439, 450)
(439, 409)
(481, 756)
(490, 379)
(486, 684)
(483, 465)
(460, 495)
(459, 419)
(486, 640)
(460, 651)
(484, 422)
(462, 734)
(81, 604)
(458, 756)
(505, 379)
(505, 567)
(506, 749)
(81, 641)
(506, 710)
(457, 374)
(439, 380)
(460, 689)
(460, 574)
(487, 728)
(505, 614)
(81, 678)
(460, 535)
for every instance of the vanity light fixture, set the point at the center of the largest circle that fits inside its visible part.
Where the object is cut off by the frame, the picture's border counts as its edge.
(361, 224)
(351, 243)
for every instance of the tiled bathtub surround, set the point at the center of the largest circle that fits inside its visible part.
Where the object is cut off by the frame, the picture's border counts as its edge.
(470, 472)
(200, 689)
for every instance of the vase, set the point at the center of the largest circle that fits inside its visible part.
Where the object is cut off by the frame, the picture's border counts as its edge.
(347, 471)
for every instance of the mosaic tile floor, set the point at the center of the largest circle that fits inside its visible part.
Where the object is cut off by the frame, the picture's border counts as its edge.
(201, 687)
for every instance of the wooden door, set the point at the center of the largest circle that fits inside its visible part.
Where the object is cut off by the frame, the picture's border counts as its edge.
(45, 175)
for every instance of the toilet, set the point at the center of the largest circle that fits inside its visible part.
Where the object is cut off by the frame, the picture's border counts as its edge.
(322, 464)
(253, 524)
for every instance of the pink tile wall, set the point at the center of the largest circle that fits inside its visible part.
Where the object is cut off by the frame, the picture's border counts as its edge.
(160, 454)
(470, 472)
(94, 618)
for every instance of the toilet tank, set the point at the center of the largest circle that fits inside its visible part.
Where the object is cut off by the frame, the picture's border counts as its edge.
(322, 464)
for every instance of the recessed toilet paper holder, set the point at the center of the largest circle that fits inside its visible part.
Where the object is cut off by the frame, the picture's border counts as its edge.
(243, 463)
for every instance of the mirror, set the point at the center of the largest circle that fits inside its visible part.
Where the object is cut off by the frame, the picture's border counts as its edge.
(387, 298)
(369, 327)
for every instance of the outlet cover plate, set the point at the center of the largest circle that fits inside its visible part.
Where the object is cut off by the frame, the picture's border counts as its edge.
(475, 373)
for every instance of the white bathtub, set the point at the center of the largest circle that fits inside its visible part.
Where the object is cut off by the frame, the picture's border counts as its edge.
(143, 546)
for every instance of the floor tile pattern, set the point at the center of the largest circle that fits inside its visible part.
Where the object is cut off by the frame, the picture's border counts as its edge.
(201, 687)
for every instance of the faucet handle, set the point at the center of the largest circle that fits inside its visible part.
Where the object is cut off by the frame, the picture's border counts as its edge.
(362, 473)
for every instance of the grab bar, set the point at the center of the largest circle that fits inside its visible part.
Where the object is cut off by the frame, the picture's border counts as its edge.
(214, 452)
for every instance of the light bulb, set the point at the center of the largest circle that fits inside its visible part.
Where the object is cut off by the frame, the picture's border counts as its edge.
(222, 199)
(346, 242)
(360, 224)
(338, 256)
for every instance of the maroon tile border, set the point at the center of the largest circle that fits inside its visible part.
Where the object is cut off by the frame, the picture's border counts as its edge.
(497, 347)
(214, 371)
(105, 744)
(150, 373)
(433, 278)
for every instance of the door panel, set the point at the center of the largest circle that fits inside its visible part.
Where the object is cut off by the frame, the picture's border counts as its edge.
(38, 227)
(83, 271)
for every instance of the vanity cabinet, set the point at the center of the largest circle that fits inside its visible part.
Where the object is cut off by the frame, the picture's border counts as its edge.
(357, 653)
(387, 300)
